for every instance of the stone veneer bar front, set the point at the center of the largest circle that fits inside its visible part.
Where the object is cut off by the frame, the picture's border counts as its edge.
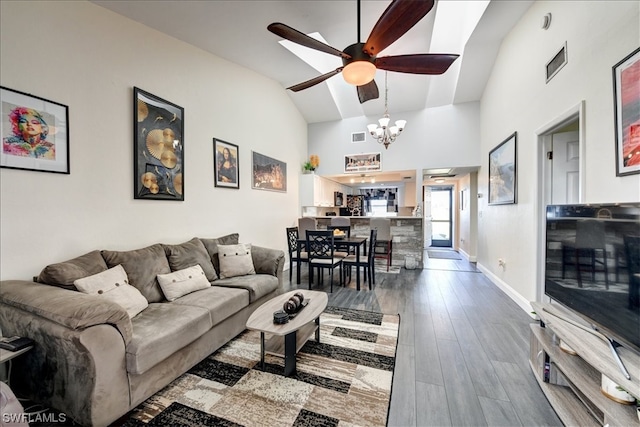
(407, 233)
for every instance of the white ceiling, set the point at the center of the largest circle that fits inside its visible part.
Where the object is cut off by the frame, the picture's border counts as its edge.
(237, 31)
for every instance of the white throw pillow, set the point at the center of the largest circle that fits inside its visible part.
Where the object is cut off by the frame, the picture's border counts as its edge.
(182, 282)
(113, 284)
(235, 260)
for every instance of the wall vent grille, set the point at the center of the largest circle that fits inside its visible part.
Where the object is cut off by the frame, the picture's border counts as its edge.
(558, 61)
(358, 137)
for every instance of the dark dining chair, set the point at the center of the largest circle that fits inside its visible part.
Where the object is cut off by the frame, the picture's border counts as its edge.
(320, 247)
(292, 241)
(365, 261)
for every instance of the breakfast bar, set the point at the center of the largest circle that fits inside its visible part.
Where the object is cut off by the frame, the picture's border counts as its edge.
(407, 232)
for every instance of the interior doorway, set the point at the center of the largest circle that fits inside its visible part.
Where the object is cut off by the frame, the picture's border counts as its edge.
(441, 217)
(560, 173)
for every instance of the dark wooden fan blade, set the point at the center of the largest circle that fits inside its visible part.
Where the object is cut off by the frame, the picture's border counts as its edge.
(425, 63)
(368, 92)
(286, 32)
(396, 20)
(314, 81)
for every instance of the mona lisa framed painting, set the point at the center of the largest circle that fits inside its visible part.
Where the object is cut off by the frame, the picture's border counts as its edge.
(35, 133)
(225, 164)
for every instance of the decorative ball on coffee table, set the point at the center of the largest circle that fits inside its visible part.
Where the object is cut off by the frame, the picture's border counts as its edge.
(299, 295)
(297, 300)
(290, 306)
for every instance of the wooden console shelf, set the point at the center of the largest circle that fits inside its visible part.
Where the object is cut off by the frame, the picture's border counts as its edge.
(573, 382)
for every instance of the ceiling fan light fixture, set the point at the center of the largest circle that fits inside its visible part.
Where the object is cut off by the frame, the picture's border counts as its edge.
(359, 73)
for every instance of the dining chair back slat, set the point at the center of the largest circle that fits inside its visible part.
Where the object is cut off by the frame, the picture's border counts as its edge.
(292, 243)
(320, 250)
(365, 261)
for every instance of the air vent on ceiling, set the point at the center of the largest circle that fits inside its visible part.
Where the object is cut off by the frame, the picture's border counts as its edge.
(558, 61)
(358, 137)
(441, 176)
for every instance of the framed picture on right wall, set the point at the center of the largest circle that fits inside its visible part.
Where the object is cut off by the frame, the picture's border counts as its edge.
(626, 91)
(502, 172)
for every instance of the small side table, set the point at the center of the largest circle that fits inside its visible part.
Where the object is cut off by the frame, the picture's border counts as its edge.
(6, 356)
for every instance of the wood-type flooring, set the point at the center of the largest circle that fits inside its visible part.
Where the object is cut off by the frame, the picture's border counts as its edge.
(463, 347)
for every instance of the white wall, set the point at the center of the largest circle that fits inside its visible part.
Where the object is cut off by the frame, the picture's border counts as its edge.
(598, 34)
(434, 137)
(81, 55)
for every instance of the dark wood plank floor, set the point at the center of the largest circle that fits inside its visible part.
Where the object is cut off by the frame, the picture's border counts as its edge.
(463, 347)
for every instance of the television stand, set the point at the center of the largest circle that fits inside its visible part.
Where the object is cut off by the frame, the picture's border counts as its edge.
(572, 383)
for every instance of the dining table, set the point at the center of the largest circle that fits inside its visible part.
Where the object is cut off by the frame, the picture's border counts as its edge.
(351, 242)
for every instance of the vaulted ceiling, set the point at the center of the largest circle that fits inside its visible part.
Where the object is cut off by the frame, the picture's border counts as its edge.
(237, 31)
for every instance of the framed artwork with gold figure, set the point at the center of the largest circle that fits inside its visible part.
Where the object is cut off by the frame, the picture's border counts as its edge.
(158, 148)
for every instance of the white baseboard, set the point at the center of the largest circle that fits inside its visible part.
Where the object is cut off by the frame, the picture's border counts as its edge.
(467, 256)
(522, 302)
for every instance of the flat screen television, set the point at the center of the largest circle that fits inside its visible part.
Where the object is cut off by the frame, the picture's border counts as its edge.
(592, 266)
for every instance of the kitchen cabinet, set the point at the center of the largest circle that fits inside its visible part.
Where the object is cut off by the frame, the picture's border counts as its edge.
(318, 191)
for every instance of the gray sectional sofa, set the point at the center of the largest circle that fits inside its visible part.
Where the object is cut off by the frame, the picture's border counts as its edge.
(95, 363)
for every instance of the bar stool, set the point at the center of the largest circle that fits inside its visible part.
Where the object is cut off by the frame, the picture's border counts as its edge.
(341, 221)
(384, 244)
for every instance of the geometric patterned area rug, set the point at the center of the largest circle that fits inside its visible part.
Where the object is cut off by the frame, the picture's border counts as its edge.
(343, 380)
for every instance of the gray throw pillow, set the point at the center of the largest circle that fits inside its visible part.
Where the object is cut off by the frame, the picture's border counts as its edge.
(188, 254)
(212, 247)
(63, 274)
(235, 260)
(142, 267)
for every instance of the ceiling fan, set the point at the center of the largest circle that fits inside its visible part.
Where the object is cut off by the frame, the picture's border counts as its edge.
(360, 61)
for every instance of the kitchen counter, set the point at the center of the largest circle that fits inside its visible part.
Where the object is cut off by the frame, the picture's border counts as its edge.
(407, 233)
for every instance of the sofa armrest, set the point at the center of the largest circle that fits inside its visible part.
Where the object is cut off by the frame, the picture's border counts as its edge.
(268, 261)
(71, 309)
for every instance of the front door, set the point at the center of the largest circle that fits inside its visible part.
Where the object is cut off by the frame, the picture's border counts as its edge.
(441, 216)
(428, 228)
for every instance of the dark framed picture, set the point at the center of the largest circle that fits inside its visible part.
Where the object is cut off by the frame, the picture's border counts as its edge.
(364, 162)
(35, 133)
(268, 173)
(225, 164)
(626, 90)
(158, 148)
(502, 172)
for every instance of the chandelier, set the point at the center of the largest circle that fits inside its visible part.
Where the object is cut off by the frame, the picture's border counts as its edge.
(386, 134)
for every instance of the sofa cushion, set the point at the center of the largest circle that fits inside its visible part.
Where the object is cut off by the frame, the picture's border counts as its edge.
(235, 260)
(183, 282)
(113, 285)
(258, 285)
(188, 254)
(212, 247)
(161, 330)
(142, 267)
(220, 302)
(64, 273)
